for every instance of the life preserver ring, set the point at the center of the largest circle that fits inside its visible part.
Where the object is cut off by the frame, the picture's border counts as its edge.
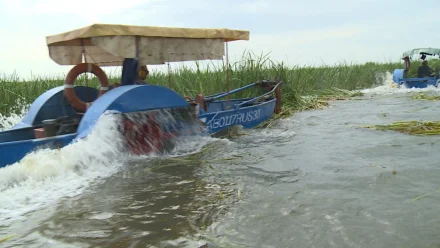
(69, 93)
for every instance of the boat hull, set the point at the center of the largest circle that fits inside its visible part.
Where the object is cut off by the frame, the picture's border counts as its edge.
(409, 83)
(23, 137)
(148, 122)
(14, 151)
(30, 134)
(247, 117)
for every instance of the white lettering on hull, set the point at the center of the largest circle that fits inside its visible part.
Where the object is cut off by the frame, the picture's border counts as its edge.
(234, 119)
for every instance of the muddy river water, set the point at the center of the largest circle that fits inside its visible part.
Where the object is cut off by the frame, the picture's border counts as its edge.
(317, 179)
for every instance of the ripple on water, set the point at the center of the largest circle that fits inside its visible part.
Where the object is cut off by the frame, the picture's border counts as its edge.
(101, 216)
(145, 217)
(324, 184)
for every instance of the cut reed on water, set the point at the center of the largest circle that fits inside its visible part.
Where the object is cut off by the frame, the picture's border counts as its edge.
(411, 127)
(423, 96)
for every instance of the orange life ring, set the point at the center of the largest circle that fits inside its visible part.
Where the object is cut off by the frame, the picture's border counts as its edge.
(76, 103)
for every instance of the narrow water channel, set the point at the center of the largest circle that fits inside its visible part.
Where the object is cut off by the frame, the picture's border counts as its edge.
(317, 179)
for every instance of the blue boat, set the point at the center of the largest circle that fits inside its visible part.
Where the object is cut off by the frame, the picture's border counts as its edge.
(400, 76)
(149, 115)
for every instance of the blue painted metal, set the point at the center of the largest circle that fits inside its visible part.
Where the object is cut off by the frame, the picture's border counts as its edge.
(16, 142)
(247, 113)
(259, 97)
(130, 98)
(398, 75)
(246, 117)
(419, 82)
(20, 140)
(17, 134)
(399, 79)
(52, 104)
(221, 95)
(218, 106)
(16, 150)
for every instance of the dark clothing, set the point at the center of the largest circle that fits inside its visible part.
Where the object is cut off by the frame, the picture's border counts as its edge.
(424, 71)
(129, 71)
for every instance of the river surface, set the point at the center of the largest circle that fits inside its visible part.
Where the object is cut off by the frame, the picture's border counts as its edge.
(317, 179)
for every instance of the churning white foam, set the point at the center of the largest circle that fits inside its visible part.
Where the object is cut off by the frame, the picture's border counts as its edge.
(388, 87)
(186, 145)
(43, 177)
(16, 114)
(46, 175)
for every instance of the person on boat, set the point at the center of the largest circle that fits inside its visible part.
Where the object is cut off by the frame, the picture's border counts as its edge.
(424, 70)
(142, 75)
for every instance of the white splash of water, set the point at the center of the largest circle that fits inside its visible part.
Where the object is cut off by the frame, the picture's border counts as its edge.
(390, 88)
(281, 128)
(15, 116)
(46, 175)
(186, 145)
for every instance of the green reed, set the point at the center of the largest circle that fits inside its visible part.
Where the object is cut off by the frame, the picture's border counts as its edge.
(298, 81)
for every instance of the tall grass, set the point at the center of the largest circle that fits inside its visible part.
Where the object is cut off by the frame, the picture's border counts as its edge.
(211, 79)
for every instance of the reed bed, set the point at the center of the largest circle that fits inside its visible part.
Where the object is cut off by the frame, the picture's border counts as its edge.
(319, 84)
(411, 127)
(423, 96)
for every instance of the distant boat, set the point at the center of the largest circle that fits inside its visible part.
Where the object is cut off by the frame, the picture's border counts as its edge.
(400, 75)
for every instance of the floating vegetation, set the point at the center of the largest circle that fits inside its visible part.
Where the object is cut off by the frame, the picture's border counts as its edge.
(425, 195)
(319, 100)
(4, 239)
(411, 127)
(333, 94)
(423, 96)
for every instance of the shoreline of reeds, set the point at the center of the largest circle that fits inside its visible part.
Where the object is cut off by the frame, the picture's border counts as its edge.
(322, 83)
